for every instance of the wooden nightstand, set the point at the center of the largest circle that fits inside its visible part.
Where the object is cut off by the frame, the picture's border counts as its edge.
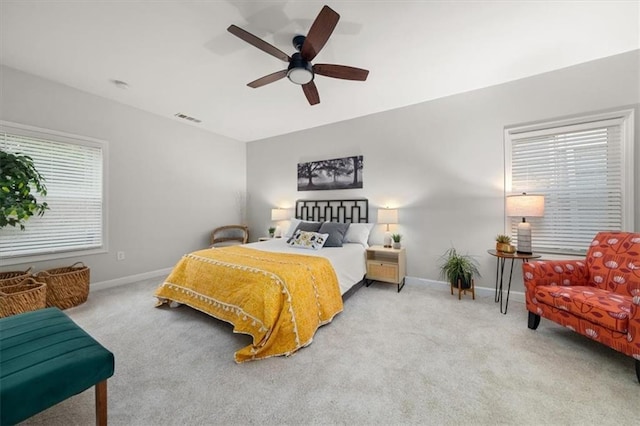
(386, 265)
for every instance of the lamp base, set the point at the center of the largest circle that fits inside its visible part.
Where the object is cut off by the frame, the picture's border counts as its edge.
(387, 239)
(524, 238)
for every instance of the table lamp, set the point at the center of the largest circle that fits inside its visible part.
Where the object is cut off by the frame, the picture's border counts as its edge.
(524, 205)
(387, 216)
(278, 215)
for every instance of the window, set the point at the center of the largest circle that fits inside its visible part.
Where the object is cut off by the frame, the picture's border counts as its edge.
(73, 169)
(584, 168)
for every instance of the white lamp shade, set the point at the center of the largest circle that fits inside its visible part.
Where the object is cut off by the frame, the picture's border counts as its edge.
(525, 205)
(387, 216)
(279, 214)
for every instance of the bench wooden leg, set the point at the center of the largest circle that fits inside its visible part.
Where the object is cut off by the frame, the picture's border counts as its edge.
(101, 403)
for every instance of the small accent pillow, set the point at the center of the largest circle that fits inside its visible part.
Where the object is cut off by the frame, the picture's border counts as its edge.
(358, 233)
(336, 232)
(308, 240)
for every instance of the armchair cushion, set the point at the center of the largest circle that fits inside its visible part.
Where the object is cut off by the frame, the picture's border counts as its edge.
(599, 306)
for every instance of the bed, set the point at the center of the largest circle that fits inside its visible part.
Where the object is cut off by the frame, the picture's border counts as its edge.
(275, 292)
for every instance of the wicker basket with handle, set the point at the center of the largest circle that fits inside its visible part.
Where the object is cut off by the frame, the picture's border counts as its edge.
(66, 287)
(13, 277)
(28, 295)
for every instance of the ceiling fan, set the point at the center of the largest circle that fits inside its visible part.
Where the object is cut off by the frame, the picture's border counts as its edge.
(300, 70)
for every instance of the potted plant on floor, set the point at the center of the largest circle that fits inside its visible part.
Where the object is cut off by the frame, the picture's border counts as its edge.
(19, 180)
(458, 269)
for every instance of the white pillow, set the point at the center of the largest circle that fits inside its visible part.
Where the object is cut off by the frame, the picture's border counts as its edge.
(358, 233)
(293, 225)
(308, 240)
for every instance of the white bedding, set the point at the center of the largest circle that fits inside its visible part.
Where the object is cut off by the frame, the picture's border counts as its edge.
(349, 261)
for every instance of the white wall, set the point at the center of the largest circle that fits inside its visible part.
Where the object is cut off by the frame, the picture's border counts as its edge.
(169, 183)
(441, 162)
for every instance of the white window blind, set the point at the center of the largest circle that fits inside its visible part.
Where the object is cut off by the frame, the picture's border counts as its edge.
(73, 172)
(584, 169)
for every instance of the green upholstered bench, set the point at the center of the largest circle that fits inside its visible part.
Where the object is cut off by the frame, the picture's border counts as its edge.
(46, 358)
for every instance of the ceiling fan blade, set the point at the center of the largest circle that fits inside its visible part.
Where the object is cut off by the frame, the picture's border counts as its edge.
(268, 79)
(311, 92)
(319, 33)
(258, 42)
(341, 71)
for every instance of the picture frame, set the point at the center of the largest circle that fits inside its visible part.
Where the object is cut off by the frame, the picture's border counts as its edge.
(336, 173)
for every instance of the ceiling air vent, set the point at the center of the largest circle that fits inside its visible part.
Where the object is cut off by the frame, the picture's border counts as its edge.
(186, 117)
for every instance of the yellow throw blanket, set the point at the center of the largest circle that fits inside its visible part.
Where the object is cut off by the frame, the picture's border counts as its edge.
(279, 299)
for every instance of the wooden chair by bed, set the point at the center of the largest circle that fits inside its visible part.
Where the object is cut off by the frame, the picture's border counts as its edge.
(229, 235)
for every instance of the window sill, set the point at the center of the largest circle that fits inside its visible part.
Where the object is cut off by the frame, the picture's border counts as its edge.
(6, 261)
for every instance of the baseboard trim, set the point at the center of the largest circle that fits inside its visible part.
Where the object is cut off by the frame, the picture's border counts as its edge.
(129, 279)
(514, 296)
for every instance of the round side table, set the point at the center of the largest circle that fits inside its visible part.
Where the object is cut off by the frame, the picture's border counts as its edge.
(501, 258)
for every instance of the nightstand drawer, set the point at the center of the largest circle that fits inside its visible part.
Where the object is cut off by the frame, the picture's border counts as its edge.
(381, 271)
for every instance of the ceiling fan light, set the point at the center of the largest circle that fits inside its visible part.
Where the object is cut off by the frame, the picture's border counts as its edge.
(300, 75)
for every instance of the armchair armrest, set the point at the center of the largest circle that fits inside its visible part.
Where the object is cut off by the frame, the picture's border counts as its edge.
(554, 272)
(550, 272)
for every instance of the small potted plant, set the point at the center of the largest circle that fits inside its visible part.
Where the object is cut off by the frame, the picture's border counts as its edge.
(503, 244)
(458, 269)
(396, 240)
(272, 231)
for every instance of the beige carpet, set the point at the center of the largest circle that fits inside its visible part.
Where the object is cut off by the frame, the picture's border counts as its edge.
(419, 357)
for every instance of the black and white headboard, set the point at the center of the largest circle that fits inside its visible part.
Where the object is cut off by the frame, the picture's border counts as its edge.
(353, 210)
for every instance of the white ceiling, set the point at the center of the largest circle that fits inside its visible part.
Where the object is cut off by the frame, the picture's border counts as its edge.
(177, 56)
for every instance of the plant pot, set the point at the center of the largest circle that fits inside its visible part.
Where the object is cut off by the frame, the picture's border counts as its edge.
(503, 247)
(397, 246)
(464, 284)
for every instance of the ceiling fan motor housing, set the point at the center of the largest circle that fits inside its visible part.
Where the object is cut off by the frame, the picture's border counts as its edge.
(298, 41)
(299, 70)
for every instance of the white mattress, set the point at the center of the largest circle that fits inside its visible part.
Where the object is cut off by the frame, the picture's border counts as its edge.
(349, 261)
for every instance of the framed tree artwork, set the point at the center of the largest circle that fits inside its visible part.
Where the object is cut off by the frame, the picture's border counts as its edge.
(338, 173)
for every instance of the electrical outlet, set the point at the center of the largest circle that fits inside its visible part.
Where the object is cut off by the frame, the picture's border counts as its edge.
(120, 255)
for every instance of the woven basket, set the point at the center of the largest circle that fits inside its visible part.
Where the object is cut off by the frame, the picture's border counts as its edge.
(29, 295)
(66, 287)
(13, 277)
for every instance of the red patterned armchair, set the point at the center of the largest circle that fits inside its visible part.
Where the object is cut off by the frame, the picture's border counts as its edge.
(598, 297)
